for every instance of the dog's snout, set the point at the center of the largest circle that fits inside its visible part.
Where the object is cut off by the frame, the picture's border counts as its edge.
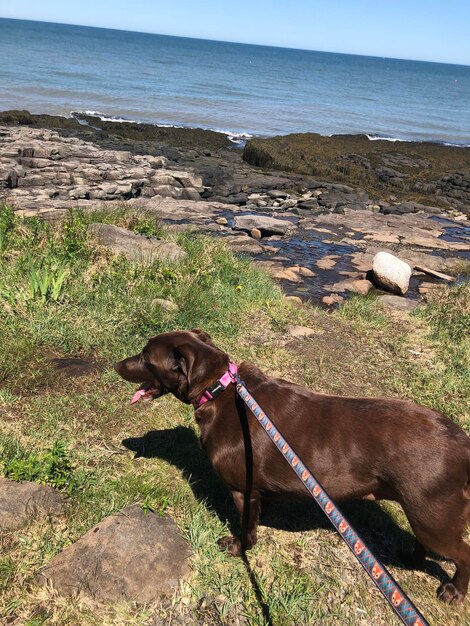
(118, 367)
(132, 369)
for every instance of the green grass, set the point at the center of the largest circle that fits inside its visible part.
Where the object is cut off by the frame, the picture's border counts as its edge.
(66, 431)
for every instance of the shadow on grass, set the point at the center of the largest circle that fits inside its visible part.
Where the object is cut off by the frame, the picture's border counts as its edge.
(180, 447)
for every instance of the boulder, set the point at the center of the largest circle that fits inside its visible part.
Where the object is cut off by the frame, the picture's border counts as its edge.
(136, 247)
(267, 225)
(390, 273)
(134, 555)
(22, 502)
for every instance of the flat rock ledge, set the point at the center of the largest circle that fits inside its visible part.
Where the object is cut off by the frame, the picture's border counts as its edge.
(23, 502)
(37, 165)
(136, 247)
(134, 555)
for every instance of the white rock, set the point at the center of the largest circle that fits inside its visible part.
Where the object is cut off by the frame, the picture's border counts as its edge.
(390, 273)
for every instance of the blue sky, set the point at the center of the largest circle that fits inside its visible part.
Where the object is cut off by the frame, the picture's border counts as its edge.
(428, 30)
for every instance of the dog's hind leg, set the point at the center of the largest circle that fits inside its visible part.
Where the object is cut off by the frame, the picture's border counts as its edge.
(454, 591)
(248, 508)
(440, 529)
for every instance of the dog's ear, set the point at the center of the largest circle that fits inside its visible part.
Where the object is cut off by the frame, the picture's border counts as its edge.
(202, 336)
(182, 360)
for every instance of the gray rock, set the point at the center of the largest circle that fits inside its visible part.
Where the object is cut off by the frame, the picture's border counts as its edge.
(79, 192)
(277, 194)
(390, 273)
(187, 179)
(157, 162)
(191, 194)
(162, 179)
(134, 556)
(22, 502)
(243, 244)
(288, 204)
(309, 204)
(267, 225)
(136, 247)
(168, 191)
(32, 180)
(397, 302)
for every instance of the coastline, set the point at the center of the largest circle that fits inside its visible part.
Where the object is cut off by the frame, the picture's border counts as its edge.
(316, 229)
(238, 137)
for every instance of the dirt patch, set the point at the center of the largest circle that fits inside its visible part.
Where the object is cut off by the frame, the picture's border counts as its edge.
(68, 367)
(54, 373)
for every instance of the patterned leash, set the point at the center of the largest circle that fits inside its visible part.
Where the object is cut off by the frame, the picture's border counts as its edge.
(389, 588)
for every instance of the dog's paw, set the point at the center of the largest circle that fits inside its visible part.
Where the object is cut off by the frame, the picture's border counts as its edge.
(231, 545)
(449, 594)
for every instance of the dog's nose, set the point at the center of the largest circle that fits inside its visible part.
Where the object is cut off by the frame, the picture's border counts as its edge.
(118, 367)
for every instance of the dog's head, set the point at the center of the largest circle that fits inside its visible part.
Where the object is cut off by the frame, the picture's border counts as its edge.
(183, 363)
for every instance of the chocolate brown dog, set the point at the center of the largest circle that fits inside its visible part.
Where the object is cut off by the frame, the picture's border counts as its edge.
(366, 448)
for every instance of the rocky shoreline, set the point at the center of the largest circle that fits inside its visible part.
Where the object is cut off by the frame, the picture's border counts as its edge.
(318, 236)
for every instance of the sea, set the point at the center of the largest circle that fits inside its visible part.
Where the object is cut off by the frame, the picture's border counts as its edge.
(238, 89)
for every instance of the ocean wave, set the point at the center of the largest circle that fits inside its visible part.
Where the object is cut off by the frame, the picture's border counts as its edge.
(103, 117)
(387, 138)
(235, 137)
(399, 139)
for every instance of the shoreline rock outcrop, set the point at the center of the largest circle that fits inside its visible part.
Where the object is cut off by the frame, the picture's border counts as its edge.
(439, 173)
(331, 229)
(37, 165)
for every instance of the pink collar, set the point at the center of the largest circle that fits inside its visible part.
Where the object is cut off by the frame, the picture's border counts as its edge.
(219, 386)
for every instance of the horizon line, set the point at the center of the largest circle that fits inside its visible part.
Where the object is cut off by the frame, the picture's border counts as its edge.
(240, 43)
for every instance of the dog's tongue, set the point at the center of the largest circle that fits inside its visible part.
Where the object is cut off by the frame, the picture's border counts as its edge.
(138, 395)
(142, 394)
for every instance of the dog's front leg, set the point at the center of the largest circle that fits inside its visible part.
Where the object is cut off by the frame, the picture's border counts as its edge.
(248, 507)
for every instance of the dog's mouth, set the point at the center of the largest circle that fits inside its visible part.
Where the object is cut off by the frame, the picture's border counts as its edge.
(146, 392)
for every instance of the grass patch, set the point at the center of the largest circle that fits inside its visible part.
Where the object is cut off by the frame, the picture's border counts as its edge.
(51, 467)
(66, 430)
